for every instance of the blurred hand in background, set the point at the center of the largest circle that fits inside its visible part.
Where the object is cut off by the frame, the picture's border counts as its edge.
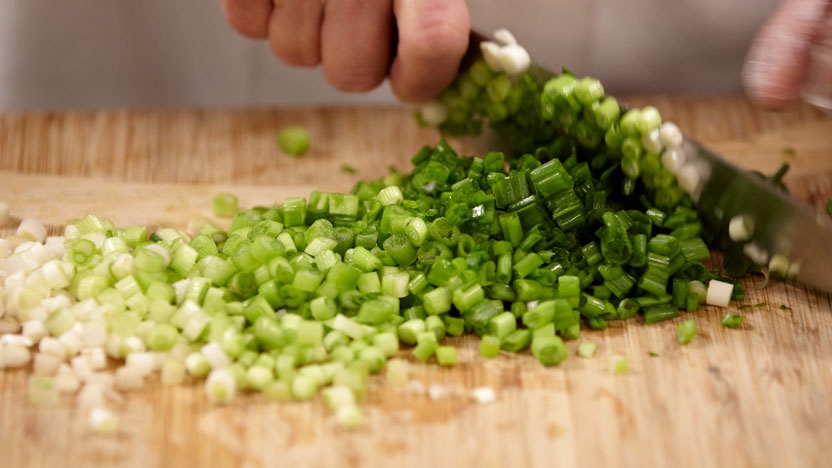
(788, 53)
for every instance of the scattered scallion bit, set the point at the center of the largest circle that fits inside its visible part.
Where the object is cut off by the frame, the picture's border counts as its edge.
(42, 390)
(446, 356)
(733, 320)
(789, 151)
(685, 331)
(829, 207)
(224, 205)
(653, 354)
(619, 364)
(293, 140)
(103, 422)
(348, 169)
(397, 371)
(785, 307)
(587, 349)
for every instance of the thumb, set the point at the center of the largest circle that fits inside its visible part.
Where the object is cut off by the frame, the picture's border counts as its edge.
(778, 61)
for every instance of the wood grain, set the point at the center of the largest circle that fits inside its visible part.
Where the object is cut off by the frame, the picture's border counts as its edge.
(757, 396)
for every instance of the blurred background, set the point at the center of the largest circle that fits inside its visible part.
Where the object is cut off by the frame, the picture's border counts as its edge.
(181, 53)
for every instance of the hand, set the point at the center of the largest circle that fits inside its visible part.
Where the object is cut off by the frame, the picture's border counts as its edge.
(778, 63)
(352, 39)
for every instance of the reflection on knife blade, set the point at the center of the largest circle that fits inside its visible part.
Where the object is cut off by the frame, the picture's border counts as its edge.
(785, 230)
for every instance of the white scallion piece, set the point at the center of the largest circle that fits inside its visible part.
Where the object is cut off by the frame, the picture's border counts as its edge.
(65, 380)
(794, 270)
(652, 142)
(689, 179)
(220, 386)
(132, 344)
(719, 293)
(34, 330)
(670, 135)
(338, 396)
(173, 372)
(513, 59)
(215, 356)
(779, 265)
(16, 356)
(90, 396)
(756, 253)
(103, 422)
(15, 339)
(31, 229)
(96, 357)
(505, 36)
(490, 53)
(46, 364)
(81, 367)
(433, 113)
(143, 363)
(42, 391)
(483, 395)
(740, 228)
(197, 365)
(72, 341)
(349, 416)
(397, 371)
(128, 378)
(53, 346)
(437, 392)
(673, 159)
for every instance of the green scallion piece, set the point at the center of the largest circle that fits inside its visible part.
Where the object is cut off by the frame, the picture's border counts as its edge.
(293, 140)
(732, 320)
(224, 205)
(685, 331)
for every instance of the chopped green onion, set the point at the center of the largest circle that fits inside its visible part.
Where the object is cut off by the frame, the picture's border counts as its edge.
(732, 320)
(587, 349)
(489, 346)
(224, 205)
(446, 356)
(293, 140)
(685, 331)
(619, 364)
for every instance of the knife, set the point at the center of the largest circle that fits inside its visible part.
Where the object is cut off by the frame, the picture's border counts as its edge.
(787, 235)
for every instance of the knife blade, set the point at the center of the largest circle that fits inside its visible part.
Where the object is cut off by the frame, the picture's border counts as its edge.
(782, 225)
(785, 229)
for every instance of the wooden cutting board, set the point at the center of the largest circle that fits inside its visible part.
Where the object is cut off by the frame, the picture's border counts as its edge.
(757, 396)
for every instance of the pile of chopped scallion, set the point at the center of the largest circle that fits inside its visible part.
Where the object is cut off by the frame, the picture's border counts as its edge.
(313, 294)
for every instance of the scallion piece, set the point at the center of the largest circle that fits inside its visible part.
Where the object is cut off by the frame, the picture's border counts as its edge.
(224, 205)
(732, 320)
(685, 331)
(293, 140)
(489, 346)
